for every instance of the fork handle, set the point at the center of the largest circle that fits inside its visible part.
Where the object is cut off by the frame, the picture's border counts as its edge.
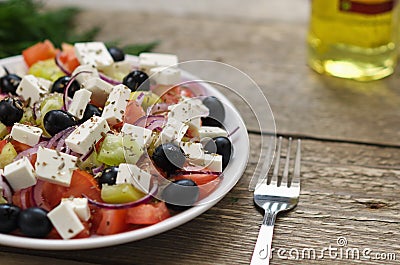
(262, 250)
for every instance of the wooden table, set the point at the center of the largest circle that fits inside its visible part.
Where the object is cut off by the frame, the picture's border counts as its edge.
(350, 170)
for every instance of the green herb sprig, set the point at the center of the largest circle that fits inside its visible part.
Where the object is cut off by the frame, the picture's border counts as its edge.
(25, 22)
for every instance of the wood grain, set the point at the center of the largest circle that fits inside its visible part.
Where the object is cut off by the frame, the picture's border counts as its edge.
(343, 194)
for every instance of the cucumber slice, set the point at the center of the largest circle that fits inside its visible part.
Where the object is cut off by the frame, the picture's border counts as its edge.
(7, 155)
(3, 130)
(149, 98)
(46, 69)
(112, 150)
(52, 102)
(90, 162)
(120, 193)
(2, 200)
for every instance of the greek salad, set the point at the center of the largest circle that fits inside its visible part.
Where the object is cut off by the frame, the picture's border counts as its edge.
(92, 144)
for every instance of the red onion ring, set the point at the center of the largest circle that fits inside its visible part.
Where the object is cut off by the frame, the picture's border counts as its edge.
(142, 200)
(86, 156)
(67, 100)
(140, 98)
(97, 170)
(60, 64)
(61, 141)
(159, 107)
(36, 195)
(109, 79)
(194, 86)
(145, 121)
(24, 198)
(234, 131)
(31, 151)
(59, 135)
(7, 193)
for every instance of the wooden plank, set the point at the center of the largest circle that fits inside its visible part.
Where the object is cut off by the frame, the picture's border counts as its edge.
(274, 54)
(344, 194)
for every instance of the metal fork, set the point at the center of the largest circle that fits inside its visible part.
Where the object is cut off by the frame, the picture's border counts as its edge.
(280, 194)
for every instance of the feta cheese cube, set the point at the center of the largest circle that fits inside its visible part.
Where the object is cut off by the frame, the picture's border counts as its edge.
(20, 174)
(211, 132)
(173, 131)
(32, 88)
(128, 173)
(140, 135)
(93, 53)
(29, 135)
(193, 151)
(165, 76)
(189, 111)
(213, 162)
(79, 102)
(55, 167)
(100, 90)
(65, 221)
(116, 104)
(148, 60)
(80, 207)
(85, 72)
(82, 139)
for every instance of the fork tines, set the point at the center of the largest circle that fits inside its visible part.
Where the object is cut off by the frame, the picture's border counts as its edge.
(284, 179)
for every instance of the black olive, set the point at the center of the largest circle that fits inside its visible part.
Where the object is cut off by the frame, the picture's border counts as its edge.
(108, 176)
(90, 111)
(9, 83)
(11, 111)
(222, 146)
(180, 194)
(57, 120)
(117, 54)
(217, 112)
(137, 80)
(33, 222)
(61, 83)
(169, 157)
(9, 214)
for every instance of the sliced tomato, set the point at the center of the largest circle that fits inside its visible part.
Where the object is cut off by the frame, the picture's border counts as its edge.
(186, 92)
(39, 52)
(207, 188)
(68, 57)
(32, 158)
(19, 147)
(198, 178)
(169, 95)
(81, 183)
(207, 183)
(2, 144)
(147, 214)
(133, 112)
(112, 222)
(85, 233)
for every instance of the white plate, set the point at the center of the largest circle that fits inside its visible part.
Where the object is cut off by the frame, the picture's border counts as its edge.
(232, 174)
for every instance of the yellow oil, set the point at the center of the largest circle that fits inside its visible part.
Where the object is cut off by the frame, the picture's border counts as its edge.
(350, 44)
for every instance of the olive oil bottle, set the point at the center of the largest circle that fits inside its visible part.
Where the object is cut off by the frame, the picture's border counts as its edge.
(356, 39)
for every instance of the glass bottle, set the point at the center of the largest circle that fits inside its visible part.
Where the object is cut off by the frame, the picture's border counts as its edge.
(356, 39)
